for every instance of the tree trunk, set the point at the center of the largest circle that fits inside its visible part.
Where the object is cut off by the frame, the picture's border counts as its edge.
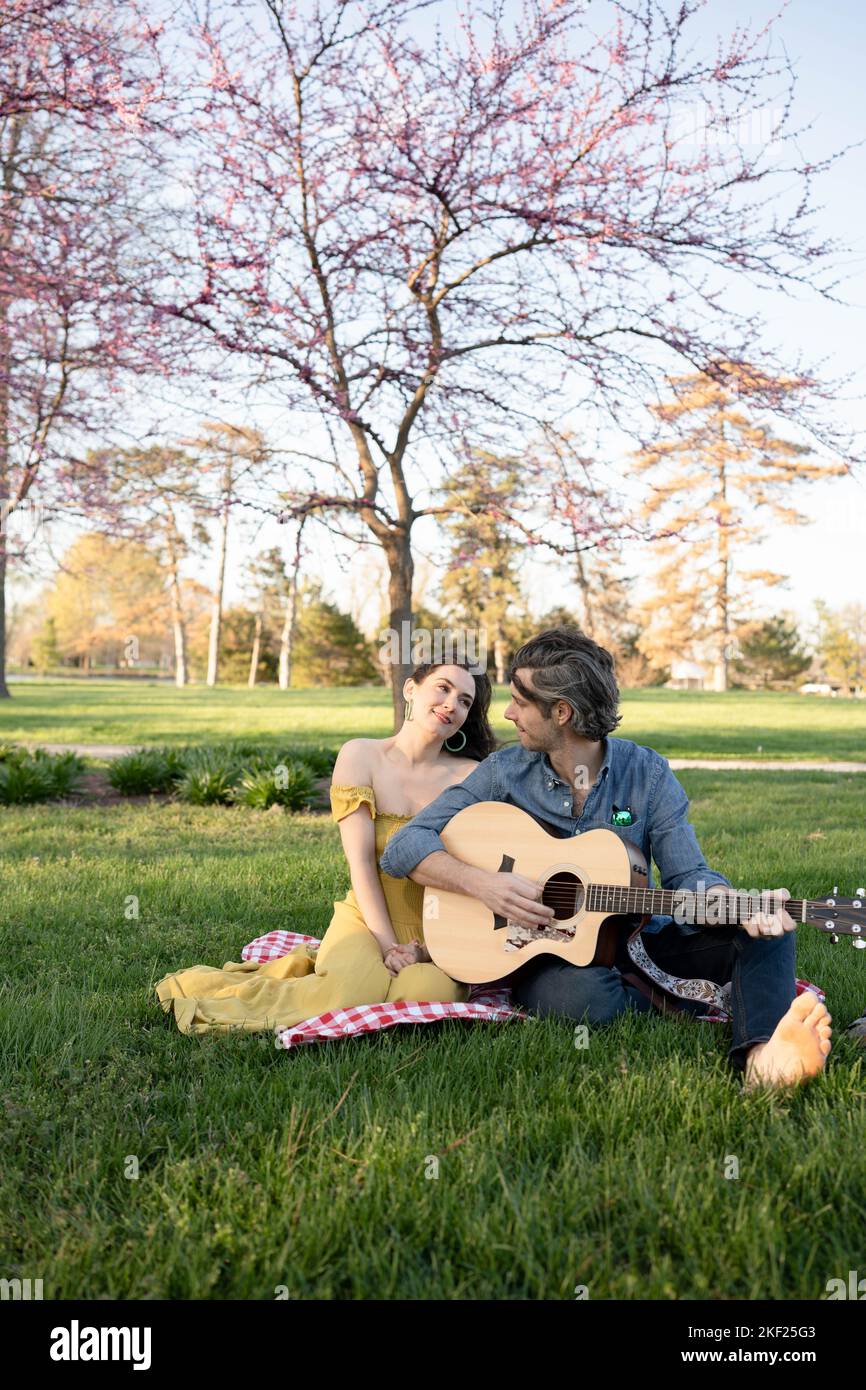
(584, 586)
(213, 654)
(181, 672)
(287, 636)
(4, 490)
(499, 657)
(400, 563)
(723, 572)
(254, 657)
(4, 689)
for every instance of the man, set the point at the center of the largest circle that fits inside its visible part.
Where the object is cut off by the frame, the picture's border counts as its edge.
(569, 772)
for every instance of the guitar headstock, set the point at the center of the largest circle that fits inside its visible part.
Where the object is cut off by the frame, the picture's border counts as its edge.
(835, 916)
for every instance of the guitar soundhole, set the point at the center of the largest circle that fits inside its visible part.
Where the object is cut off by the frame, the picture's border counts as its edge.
(565, 893)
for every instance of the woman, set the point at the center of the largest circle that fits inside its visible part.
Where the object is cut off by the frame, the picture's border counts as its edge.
(373, 949)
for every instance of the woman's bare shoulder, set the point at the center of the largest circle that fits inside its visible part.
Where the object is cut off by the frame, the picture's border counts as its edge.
(358, 759)
(464, 766)
(354, 763)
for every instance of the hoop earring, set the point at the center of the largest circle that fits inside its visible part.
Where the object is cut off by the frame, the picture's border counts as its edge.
(407, 710)
(462, 746)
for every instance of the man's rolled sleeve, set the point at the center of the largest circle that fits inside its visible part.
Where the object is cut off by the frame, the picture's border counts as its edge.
(421, 836)
(675, 847)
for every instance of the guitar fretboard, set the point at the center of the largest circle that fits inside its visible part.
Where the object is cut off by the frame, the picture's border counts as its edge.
(729, 908)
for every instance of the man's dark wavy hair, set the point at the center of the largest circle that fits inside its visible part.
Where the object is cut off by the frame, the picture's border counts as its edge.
(480, 740)
(568, 665)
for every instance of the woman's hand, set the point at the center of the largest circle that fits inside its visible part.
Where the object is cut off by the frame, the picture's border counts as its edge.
(403, 954)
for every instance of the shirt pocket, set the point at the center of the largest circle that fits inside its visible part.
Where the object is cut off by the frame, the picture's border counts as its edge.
(633, 832)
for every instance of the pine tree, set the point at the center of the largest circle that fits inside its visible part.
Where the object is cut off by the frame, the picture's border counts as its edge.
(771, 652)
(329, 649)
(712, 483)
(482, 586)
(46, 652)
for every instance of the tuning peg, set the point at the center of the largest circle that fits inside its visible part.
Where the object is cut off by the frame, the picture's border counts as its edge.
(834, 938)
(859, 944)
(861, 893)
(835, 889)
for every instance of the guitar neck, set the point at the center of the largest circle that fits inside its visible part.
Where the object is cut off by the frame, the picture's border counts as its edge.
(728, 908)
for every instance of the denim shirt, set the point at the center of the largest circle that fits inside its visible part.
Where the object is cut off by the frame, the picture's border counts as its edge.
(631, 778)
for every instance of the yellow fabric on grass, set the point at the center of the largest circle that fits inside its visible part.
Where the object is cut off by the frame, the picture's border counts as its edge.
(346, 970)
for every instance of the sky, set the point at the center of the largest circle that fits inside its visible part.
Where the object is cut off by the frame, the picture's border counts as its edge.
(826, 44)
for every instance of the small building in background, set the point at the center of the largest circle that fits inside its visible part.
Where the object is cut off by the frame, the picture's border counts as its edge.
(686, 675)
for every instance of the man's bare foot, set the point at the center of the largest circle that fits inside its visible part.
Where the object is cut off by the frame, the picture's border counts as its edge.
(798, 1048)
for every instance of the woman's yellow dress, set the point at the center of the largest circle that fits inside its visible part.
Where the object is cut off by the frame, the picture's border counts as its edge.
(346, 970)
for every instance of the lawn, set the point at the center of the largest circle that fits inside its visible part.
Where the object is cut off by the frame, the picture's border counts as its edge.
(557, 1166)
(681, 724)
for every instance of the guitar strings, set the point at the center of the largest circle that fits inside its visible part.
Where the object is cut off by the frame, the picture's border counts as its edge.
(561, 896)
(735, 895)
(734, 907)
(674, 894)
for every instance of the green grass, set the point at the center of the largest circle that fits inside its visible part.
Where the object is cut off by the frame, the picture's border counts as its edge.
(558, 1166)
(678, 723)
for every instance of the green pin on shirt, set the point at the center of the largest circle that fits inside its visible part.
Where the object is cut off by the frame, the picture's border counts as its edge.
(622, 817)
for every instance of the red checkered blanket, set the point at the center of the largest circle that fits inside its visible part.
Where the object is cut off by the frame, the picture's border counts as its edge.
(484, 1002)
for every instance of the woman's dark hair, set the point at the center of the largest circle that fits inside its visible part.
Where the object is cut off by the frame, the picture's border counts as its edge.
(480, 740)
(567, 665)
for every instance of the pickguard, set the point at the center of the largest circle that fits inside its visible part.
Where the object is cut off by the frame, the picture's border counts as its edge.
(500, 923)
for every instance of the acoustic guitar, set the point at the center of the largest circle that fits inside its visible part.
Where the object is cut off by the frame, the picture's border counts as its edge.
(596, 884)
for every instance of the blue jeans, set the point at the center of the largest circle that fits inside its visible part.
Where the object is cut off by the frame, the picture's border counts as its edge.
(761, 972)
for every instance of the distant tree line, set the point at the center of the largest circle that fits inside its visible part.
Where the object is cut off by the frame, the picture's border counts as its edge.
(112, 606)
